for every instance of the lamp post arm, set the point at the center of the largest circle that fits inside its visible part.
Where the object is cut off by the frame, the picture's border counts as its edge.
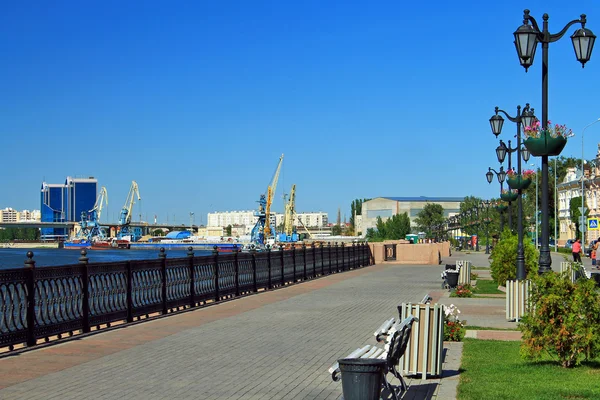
(511, 119)
(554, 37)
(528, 18)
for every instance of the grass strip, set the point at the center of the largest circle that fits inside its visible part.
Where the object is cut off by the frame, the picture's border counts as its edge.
(485, 328)
(493, 369)
(485, 286)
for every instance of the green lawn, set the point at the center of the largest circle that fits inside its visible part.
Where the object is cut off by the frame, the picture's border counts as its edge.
(494, 370)
(484, 328)
(485, 286)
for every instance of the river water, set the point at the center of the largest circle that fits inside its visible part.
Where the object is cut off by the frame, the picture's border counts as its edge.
(15, 258)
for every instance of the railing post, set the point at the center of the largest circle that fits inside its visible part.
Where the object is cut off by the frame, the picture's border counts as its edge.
(282, 265)
(163, 271)
(314, 256)
(255, 285)
(236, 267)
(129, 293)
(30, 267)
(353, 257)
(344, 266)
(337, 258)
(85, 302)
(294, 261)
(321, 248)
(190, 255)
(304, 259)
(329, 251)
(270, 284)
(216, 266)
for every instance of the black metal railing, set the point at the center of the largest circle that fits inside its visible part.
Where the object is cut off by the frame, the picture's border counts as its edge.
(37, 304)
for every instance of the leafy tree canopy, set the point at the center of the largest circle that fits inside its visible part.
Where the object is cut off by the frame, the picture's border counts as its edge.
(432, 214)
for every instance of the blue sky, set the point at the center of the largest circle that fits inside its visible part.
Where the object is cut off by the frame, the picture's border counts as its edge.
(196, 100)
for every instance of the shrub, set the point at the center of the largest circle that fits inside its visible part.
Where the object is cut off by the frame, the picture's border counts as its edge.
(504, 258)
(474, 276)
(454, 330)
(462, 291)
(565, 321)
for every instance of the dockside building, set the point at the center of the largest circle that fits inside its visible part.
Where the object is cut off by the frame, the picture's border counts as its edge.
(65, 203)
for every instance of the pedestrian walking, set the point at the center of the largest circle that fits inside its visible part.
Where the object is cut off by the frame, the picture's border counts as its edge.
(596, 259)
(577, 251)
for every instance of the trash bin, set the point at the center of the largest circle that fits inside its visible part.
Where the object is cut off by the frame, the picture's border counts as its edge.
(451, 266)
(362, 378)
(452, 278)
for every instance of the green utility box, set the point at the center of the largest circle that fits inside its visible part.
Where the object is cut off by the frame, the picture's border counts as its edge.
(413, 238)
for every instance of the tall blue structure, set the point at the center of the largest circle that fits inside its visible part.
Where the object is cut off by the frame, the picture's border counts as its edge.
(65, 203)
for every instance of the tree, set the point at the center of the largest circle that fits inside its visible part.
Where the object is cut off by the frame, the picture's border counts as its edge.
(397, 227)
(574, 206)
(432, 214)
(158, 232)
(394, 228)
(228, 230)
(355, 209)
(336, 230)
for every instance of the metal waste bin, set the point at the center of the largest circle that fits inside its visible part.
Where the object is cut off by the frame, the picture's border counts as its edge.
(452, 278)
(362, 378)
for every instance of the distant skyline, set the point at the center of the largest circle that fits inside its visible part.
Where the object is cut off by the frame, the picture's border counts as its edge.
(196, 101)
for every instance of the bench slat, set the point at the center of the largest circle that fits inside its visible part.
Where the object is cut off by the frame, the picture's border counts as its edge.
(355, 354)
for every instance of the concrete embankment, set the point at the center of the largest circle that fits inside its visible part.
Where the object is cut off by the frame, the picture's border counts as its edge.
(29, 245)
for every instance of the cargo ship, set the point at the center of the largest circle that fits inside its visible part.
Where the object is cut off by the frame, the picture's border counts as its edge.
(107, 244)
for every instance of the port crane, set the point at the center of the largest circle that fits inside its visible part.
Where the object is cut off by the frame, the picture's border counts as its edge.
(289, 234)
(262, 230)
(125, 231)
(90, 221)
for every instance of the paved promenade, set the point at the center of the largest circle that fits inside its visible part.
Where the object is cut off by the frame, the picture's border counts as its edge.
(275, 345)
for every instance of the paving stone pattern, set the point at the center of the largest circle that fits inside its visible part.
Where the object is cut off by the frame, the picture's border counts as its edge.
(280, 350)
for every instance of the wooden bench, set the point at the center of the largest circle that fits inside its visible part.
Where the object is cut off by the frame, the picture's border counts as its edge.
(397, 337)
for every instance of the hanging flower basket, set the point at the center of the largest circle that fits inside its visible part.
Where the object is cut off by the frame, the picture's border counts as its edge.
(549, 142)
(509, 196)
(518, 182)
(501, 207)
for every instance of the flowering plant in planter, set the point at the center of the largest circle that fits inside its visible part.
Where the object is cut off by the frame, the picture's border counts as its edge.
(462, 291)
(528, 174)
(454, 329)
(535, 130)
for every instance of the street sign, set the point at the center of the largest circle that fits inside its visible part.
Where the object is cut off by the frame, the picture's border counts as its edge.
(582, 210)
(592, 224)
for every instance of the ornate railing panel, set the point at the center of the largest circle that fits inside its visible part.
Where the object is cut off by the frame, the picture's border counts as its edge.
(318, 260)
(13, 307)
(276, 269)
(245, 273)
(310, 262)
(288, 266)
(226, 275)
(204, 278)
(146, 287)
(179, 282)
(107, 292)
(58, 300)
(262, 270)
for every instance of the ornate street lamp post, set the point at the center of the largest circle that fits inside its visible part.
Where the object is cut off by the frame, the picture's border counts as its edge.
(486, 205)
(526, 40)
(525, 118)
(501, 176)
